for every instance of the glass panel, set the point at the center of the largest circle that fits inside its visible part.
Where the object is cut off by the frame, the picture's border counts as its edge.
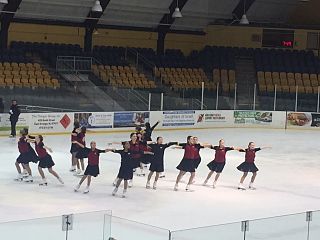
(221, 232)
(265, 99)
(93, 226)
(286, 99)
(293, 227)
(123, 229)
(314, 231)
(245, 95)
(307, 102)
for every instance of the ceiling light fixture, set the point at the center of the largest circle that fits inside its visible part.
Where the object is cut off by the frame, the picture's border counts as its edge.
(177, 12)
(97, 7)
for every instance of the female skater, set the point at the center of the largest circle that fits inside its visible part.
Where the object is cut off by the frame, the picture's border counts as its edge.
(74, 147)
(26, 156)
(126, 168)
(92, 169)
(148, 130)
(188, 163)
(45, 160)
(219, 161)
(81, 154)
(248, 165)
(157, 163)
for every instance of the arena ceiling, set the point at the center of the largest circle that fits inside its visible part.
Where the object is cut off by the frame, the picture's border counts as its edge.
(197, 14)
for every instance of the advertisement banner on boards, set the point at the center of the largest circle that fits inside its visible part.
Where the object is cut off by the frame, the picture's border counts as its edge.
(303, 119)
(178, 118)
(130, 119)
(51, 122)
(252, 117)
(213, 118)
(5, 125)
(95, 120)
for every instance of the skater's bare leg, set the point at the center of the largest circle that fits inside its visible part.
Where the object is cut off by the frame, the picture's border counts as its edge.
(88, 181)
(193, 174)
(209, 175)
(125, 187)
(180, 175)
(27, 167)
(41, 172)
(118, 182)
(157, 176)
(18, 167)
(53, 173)
(150, 176)
(217, 177)
(243, 177)
(82, 164)
(253, 176)
(82, 179)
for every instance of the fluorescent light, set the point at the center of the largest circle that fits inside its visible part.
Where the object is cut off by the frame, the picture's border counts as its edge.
(4, 1)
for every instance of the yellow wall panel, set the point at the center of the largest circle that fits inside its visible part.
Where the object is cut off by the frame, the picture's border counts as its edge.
(185, 42)
(45, 33)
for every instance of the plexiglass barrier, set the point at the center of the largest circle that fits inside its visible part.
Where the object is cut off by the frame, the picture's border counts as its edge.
(93, 226)
(103, 226)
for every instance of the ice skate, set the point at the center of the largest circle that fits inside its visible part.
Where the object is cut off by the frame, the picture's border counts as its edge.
(162, 175)
(76, 188)
(130, 184)
(251, 186)
(60, 180)
(86, 190)
(188, 188)
(77, 172)
(214, 184)
(175, 187)
(28, 179)
(19, 178)
(115, 182)
(43, 182)
(25, 173)
(205, 183)
(148, 185)
(114, 192)
(241, 187)
(154, 186)
(124, 194)
(72, 169)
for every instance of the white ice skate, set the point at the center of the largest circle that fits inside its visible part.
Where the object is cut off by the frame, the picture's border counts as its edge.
(148, 185)
(176, 187)
(241, 187)
(25, 173)
(28, 179)
(43, 182)
(19, 178)
(114, 192)
(162, 175)
(205, 182)
(124, 194)
(76, 188)
(154, 185)
(251, 186)
(86, 190)
(130, 183)
(188, 188)
(214, 184)
(141, 174)
(72, 169)
(60, 180)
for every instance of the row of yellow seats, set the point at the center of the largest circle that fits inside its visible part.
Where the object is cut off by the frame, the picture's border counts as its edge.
(289, 75)
(195, 78)
(20, 66)
(224, 75)
(289, 82)
(132, 84)
(288, 89)
(21, 73)
(114, 68)
(31, 83)
(183, 70)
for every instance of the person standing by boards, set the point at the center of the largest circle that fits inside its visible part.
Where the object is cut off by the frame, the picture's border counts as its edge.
(14, 117)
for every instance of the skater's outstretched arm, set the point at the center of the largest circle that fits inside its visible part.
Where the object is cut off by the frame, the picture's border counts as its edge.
(154, 126)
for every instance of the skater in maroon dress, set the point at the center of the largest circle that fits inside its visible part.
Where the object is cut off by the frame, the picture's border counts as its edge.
(248, 165)
(217, 165)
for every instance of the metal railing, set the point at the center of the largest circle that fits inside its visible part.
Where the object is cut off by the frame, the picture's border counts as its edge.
(43, 109)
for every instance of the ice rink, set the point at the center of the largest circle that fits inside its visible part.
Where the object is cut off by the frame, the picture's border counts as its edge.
(288, 181)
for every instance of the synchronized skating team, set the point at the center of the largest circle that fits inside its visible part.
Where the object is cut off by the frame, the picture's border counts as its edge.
(136, 153)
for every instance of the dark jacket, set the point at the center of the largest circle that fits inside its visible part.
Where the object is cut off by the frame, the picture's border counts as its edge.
(14, 113)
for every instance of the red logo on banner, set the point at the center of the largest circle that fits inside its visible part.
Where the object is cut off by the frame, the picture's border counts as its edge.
(65, 121)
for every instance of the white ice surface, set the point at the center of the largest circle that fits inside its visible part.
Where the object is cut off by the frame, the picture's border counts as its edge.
(288, 182)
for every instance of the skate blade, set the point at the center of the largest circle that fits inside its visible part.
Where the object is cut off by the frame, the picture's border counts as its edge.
(85, 192)
(43, 184)
(243, 189)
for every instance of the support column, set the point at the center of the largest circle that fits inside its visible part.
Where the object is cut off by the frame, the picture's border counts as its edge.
(88, 39)
(160, 42)
(4, 34)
